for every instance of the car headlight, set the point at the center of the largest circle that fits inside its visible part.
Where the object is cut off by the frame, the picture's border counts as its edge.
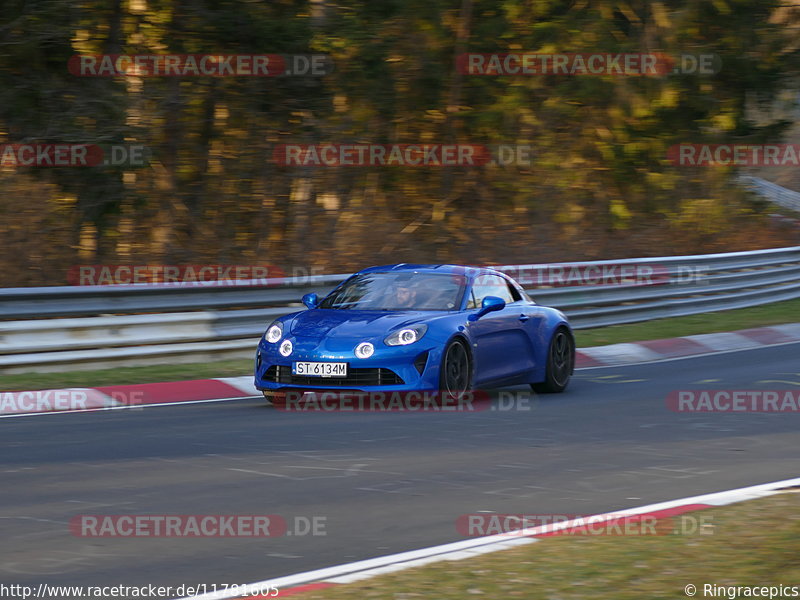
(406, 336)
(274, 332)
(364, 350)
(285, 348)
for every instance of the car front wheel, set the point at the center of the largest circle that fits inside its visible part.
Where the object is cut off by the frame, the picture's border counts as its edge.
(560, 364)
(455, 374)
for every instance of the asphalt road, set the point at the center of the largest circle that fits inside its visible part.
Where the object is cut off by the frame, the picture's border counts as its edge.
(381, 483)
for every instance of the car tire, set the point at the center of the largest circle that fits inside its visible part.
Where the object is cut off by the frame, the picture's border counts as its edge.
(455, 372)
(560, 363)
(270, 397)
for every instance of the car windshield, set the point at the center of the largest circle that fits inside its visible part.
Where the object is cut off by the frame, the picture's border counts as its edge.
(403, 290)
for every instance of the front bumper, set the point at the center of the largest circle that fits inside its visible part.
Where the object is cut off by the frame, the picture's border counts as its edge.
(400, 368)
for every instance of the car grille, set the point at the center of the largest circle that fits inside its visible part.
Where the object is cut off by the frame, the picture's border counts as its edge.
(355, 377)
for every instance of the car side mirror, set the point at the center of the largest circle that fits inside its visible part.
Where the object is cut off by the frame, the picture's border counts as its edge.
(489, 304)
(311, 300)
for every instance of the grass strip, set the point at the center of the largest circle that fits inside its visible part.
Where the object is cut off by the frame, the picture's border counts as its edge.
(715, 322)
(754, 543)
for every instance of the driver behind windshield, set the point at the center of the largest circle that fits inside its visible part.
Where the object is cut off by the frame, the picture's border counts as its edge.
(406, 295)
(390, 291)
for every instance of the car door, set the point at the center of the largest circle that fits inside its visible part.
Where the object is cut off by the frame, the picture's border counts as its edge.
(501, 345)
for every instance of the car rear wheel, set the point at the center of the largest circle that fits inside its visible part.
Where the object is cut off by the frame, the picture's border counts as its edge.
(560, 364)
(455, 374)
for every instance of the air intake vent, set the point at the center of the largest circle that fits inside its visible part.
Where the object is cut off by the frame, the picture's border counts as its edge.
(355, 377)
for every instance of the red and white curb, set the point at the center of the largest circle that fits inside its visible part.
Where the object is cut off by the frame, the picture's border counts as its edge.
(615, 355)
(115, 397)
(14, 404)
(366, 569)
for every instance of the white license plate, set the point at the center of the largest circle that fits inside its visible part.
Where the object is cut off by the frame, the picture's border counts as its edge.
(320, 369)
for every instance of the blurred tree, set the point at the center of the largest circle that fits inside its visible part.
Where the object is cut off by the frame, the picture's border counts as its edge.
(599, 184)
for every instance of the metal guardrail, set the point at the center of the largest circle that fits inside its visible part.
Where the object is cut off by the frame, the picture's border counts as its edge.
(696, 284)
(62, 301)
(141, 324)
(775, 193)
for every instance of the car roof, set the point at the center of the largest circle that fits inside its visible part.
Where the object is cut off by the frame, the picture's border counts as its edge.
(469, 271)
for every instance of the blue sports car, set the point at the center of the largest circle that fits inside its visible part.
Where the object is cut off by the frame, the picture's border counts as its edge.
(413, 327)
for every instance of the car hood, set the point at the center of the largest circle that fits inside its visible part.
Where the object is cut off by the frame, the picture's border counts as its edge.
(320, 323)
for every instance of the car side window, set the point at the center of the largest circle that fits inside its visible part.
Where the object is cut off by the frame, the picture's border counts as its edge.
(489, 285)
